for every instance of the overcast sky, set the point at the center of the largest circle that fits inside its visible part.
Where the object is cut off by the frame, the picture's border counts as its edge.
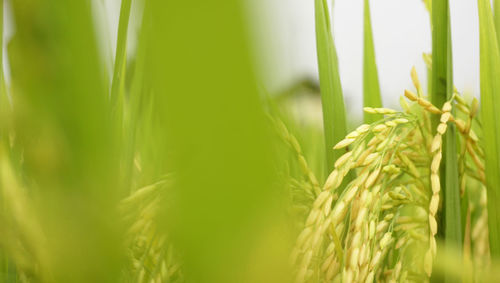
(401, 34)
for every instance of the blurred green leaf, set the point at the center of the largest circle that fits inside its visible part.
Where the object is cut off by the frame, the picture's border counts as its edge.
(64, 129)
(211, 121)
(496, 16)
(117, 84)
(490, 109)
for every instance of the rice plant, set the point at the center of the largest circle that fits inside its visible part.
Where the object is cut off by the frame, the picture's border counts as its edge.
(383, 225)
(177, 166)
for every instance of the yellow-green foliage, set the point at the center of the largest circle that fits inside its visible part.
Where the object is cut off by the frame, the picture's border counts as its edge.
(172, 170)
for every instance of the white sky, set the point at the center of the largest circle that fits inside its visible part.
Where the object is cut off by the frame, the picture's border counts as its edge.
(401, 33)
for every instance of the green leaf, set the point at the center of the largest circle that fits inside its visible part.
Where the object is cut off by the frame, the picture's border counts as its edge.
(439, 53)
(442, 91)
(214, 132)
(490, 107)
(61, 112)
(452, 204)
(121, 54)
(496, 16)
(117, 84)
(371, 87)
(4, 100)
(332, 100)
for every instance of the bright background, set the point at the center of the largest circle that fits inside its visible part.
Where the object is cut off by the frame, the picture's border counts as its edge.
(286, 50)
(401, 33)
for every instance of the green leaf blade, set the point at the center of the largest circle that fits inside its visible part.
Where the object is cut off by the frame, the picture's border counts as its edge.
(121, 53)
(332, 100)
(442, 91)
(453, 218)
(371, 86)
(496, 16)
(490, 91)
(439, 53)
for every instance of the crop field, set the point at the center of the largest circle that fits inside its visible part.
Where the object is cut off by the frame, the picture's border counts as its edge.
(174, 162)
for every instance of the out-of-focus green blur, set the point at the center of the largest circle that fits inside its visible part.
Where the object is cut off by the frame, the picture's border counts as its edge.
(174, 163)
(167, 174)
(216, 139)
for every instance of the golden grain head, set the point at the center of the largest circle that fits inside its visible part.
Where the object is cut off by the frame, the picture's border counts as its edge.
(344, 143)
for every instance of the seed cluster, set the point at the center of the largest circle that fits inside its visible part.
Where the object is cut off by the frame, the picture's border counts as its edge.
(293, 143)
(374, 227)
(21, 223)
(436, 150)
(152, 257)
(359, 229)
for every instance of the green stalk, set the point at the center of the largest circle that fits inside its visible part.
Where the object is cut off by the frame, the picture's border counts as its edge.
(439, 53)
(4, 101)
(121, 54)
(490, 91)
(371, 87)
(496, 16)
(332, 100)
(117, 85)
(453, 219)
(137, 100)
(4, 108)
(1, 40)
(442, 90)
(439, 74)
(57, 74)
(428, 6)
